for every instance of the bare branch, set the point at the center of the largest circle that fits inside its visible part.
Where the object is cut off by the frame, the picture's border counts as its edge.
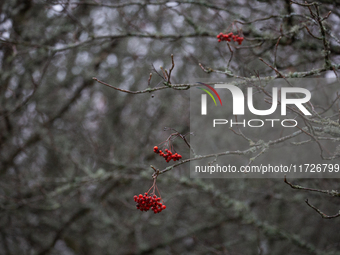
(323, 215)
(305, 4)
(332, 193)
(148, 90)
(319, 38)
(172, 67)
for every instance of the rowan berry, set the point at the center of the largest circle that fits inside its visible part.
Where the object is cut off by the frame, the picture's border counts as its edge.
(167, 154)
(147, 202)
(226, 37)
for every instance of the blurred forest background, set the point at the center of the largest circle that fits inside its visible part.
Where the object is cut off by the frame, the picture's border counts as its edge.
(74, 152)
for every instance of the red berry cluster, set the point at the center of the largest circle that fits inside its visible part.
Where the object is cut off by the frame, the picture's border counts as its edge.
(226, 37)
(168, 155)
(145, 203)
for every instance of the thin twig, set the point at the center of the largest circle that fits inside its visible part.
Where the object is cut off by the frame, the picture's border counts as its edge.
(323, 215)
(149, 80)
(319, 38)
(177, 86)
(327, 16)
(305, 4)
(164, 73)
(172, 67)
(276, 45)
(276, 71)
(333, 193)
(231, 57)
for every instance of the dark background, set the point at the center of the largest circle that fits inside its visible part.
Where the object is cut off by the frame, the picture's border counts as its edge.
(74, 152)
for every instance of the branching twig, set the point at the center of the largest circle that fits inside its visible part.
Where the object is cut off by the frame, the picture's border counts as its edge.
(177, 86)
(323, 215)
(333, 193)
(232, 54)
(276, 71)
(305, 4)
(165, 74)
(318, 38)
(276, 45)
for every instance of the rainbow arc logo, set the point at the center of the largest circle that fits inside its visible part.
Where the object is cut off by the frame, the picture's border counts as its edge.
(204, 97)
